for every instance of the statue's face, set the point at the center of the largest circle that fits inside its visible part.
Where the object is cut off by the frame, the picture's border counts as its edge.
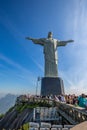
(50, 35)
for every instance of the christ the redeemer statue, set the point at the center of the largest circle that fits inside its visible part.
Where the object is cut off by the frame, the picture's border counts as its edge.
(50, 53)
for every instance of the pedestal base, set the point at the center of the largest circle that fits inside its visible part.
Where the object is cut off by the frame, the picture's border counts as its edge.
(52, 85)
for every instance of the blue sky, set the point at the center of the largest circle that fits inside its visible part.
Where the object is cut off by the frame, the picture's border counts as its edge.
(21, 61)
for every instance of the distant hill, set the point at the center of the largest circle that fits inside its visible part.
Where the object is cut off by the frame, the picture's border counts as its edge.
(6, 102)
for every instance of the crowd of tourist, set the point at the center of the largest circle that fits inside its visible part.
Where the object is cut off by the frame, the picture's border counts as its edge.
(80, 101)
(72, 99)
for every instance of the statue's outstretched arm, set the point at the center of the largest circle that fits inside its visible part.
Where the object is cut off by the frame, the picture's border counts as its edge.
(36, 41)
(29, 38)
(64, 43)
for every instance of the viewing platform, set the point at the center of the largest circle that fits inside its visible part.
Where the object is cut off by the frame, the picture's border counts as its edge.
(72, 114)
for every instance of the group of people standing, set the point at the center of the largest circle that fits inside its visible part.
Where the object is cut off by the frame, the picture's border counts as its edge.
(72, 99)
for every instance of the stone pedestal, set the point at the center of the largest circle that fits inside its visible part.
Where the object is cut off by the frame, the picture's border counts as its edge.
(52, 85)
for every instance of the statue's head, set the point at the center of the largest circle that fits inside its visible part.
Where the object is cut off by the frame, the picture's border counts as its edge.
(50, 34)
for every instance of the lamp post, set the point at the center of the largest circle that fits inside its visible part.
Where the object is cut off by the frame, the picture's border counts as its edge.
(38, 79)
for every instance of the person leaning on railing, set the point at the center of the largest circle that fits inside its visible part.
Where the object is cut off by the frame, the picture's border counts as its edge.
(82, 101)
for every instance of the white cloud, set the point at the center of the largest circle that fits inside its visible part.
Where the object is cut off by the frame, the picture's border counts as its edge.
(12, 63)
(76, 76)
(38, 64)
(19, 73)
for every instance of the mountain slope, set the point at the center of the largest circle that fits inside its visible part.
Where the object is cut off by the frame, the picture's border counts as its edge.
(20, 114)
(6, 102)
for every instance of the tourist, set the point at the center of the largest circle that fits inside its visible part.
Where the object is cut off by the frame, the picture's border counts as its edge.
(67, 99)
(75, 101)
(56, 98)
(82, 100)
(63, 98)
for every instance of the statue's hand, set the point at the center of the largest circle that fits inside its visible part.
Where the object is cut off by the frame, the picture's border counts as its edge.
(70, 40)
(29, 38)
